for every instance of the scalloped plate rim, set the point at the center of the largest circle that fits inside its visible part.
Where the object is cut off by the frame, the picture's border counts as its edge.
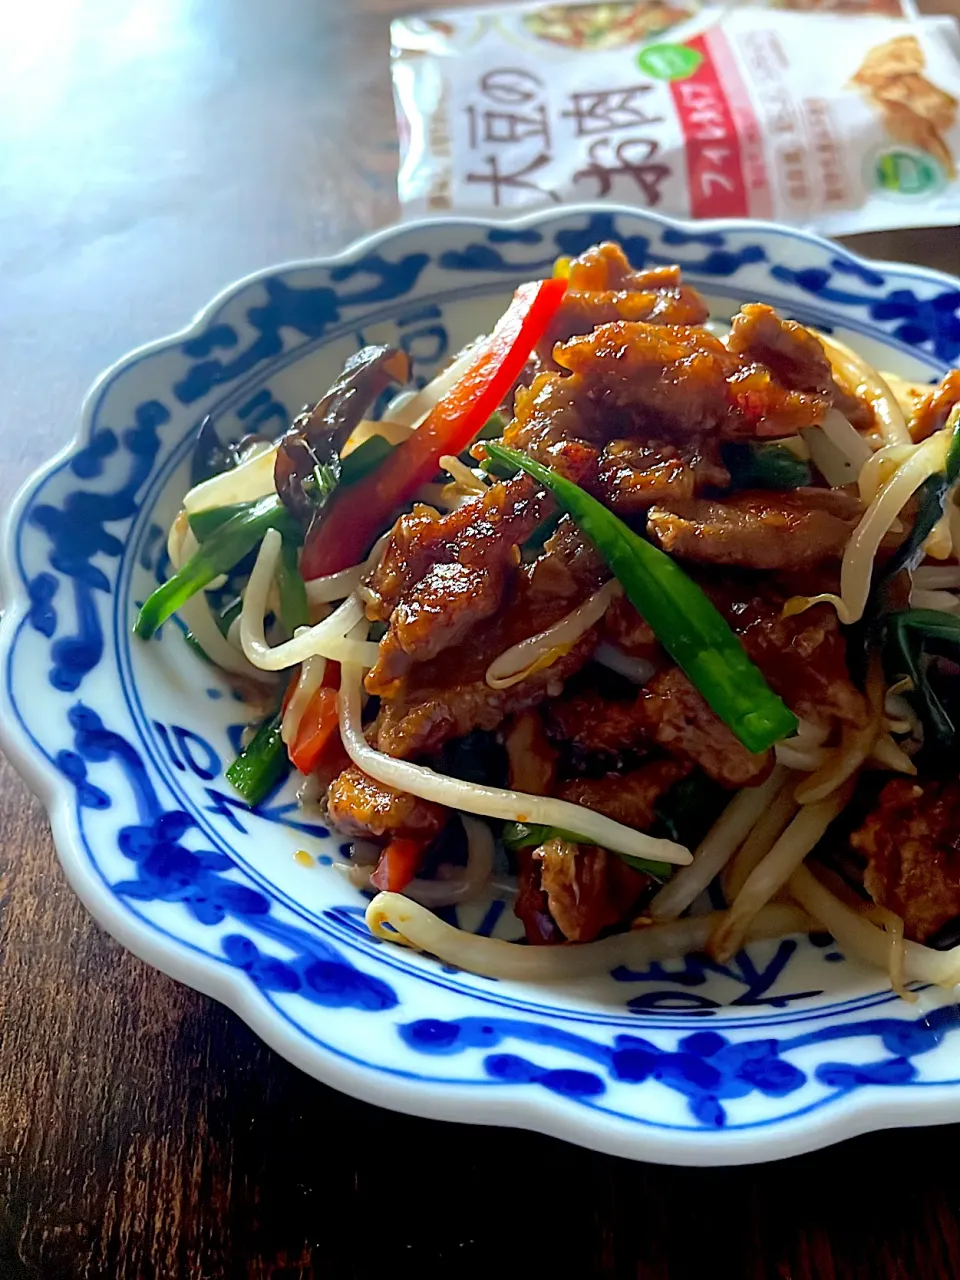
(870, 1109)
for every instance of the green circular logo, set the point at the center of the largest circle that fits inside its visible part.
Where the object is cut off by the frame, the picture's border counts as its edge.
(903, 172)
(669, 61)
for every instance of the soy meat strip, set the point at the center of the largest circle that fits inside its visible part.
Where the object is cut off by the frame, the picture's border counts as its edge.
(360, 806)
(447, 696)
(636, 412)
(604, 287)
(911, 841)
(786, 532)
(441, 575)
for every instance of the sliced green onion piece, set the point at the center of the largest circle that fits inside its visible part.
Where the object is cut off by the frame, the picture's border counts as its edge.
(365, 458)
(530, 835)
(293, 593)
(218, 554)
(261, 764)
(683, 619)
(952, 467)
(765, 466)
(499, 470)
(205, 523)
(935, 625)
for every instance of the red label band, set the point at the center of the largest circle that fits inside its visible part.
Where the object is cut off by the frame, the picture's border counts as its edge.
(714, 170)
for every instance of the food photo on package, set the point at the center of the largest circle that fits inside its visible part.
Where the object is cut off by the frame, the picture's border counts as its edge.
(840, 119)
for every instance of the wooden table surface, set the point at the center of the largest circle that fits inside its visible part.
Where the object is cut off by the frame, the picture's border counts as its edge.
(151, 151)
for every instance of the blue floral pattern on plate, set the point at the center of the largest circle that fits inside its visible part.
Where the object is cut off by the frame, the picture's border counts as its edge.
(787, 1047)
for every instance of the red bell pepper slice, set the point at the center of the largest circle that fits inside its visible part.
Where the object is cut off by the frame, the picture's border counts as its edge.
(319, 727)
(353, 518)
(309, 727)
(399, 863)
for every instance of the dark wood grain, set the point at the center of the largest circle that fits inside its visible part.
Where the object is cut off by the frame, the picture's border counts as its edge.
(149, 154)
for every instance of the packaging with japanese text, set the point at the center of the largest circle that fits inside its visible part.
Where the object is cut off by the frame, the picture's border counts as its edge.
(841, 121)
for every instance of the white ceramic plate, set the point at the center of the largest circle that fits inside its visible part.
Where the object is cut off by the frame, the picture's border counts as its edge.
(787, 1048)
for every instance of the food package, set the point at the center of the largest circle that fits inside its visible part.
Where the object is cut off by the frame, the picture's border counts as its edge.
(840, 120)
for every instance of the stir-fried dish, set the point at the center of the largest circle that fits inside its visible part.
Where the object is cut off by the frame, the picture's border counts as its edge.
(625, 606)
